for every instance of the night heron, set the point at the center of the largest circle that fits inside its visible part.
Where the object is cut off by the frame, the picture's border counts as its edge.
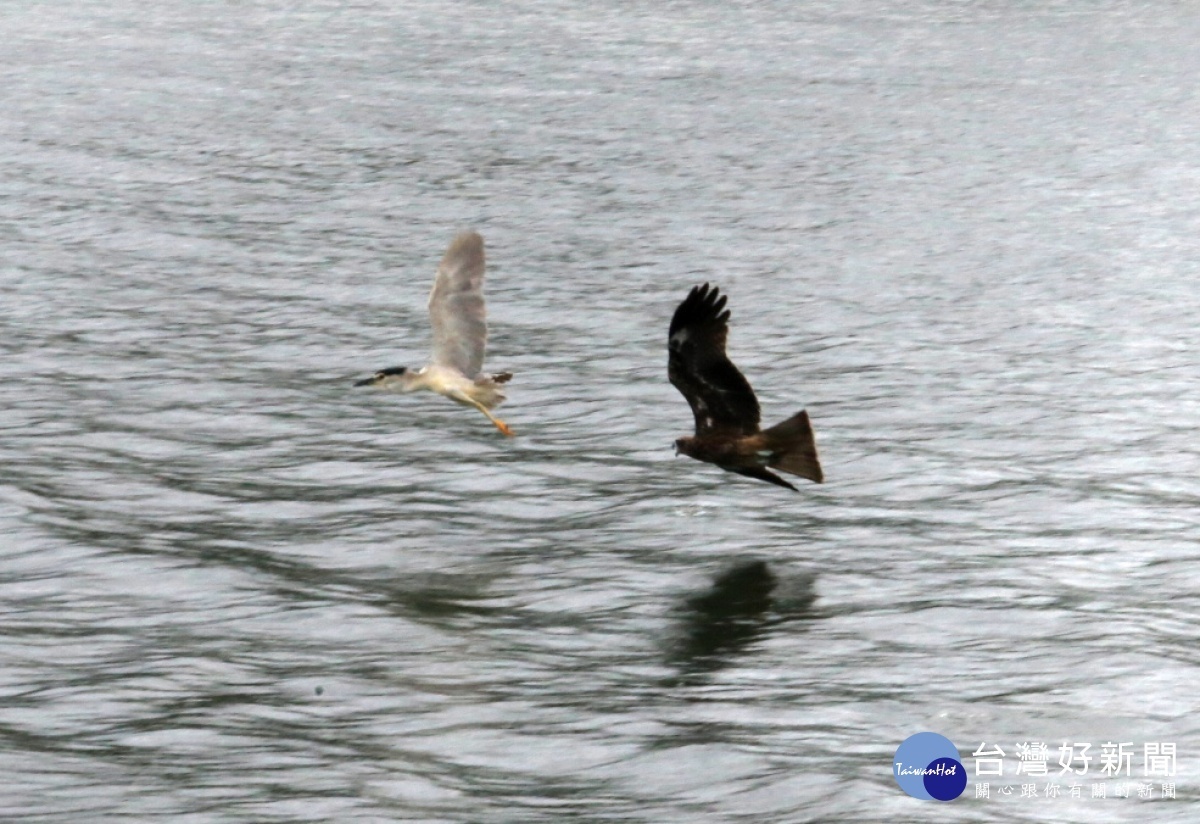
(459, 321)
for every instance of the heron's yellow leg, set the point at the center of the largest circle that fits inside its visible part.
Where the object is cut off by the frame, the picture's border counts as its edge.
(501, 425)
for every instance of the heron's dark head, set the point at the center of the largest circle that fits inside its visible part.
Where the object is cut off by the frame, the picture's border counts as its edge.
(681, 445)
(385, 377)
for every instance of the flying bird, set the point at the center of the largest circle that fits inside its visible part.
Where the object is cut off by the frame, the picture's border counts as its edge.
(726, 411)
(459, 321)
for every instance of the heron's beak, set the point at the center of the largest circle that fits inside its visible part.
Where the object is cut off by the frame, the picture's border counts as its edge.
(366, 381)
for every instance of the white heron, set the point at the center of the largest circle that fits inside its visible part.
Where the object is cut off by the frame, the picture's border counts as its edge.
(459, 319)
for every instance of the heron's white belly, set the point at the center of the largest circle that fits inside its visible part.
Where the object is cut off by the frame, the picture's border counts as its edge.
(448, 382)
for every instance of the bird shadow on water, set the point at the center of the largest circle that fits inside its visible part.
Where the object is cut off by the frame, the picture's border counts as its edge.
(746, 601)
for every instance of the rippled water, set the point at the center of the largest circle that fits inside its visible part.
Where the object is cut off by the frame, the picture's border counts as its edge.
(963, 236)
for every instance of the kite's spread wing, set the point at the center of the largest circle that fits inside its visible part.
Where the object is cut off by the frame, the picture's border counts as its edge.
(720, 396)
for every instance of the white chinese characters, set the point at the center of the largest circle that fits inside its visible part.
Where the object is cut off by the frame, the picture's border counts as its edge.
(1115, 760)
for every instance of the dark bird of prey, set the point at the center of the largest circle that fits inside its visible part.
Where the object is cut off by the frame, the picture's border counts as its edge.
(459, 321)
(723, 403)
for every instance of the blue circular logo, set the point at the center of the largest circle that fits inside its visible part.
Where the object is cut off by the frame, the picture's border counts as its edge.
(927, 766)
(945, 779)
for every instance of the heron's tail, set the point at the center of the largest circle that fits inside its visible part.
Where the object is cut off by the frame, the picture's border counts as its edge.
(487, 389)
(793, 448)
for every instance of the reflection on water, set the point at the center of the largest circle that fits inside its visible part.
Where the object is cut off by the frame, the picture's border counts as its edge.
(741, 605)
(233, 589)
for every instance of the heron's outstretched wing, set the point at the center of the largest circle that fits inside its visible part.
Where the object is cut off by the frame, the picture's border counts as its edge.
(456, 306)
(720, 397)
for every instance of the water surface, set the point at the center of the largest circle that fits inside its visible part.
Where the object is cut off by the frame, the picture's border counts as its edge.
(236, 589)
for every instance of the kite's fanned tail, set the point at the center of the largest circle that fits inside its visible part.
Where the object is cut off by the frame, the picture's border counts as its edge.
(793, 448)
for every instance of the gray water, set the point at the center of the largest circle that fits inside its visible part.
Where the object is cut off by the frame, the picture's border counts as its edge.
(235, 589)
